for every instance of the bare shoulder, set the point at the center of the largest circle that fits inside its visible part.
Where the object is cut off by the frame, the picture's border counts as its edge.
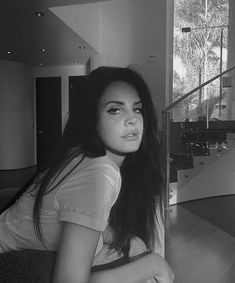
(137, 246)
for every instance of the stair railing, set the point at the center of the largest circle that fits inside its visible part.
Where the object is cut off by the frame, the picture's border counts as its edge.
(166, 130)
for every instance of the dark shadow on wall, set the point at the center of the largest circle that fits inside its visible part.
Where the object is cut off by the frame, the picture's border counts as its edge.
(16, 178)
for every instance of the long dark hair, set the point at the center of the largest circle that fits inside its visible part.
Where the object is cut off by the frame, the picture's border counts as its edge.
(134, 212)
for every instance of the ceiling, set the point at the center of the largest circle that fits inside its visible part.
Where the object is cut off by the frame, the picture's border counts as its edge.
(24, 34)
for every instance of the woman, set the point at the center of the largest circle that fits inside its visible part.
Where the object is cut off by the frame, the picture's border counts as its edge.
(104, 185)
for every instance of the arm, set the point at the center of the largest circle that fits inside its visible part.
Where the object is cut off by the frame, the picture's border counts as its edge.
(76, 253)
(145, 267)
(164, 273)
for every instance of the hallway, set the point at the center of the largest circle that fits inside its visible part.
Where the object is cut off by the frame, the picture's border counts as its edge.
(201, 240)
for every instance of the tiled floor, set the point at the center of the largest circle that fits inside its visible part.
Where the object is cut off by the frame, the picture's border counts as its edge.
(198, 247)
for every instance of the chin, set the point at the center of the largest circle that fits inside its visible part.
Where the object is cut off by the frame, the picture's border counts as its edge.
(124, 151)
(130, 150)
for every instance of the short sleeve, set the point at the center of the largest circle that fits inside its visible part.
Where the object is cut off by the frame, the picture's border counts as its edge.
(87, 196)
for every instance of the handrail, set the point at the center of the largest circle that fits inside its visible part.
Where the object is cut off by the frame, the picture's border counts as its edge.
(196, 89)
(166, 143)
(166, 132)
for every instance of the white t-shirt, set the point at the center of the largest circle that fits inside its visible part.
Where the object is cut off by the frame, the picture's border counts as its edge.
(84, 197)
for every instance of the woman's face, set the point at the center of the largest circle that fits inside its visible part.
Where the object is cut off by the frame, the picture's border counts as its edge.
(120, 120)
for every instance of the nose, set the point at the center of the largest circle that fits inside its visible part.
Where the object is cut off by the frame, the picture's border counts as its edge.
(130, 120)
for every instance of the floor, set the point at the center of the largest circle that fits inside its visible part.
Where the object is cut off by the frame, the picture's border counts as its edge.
(201, 240)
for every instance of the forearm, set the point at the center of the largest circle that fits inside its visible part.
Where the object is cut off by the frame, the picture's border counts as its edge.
(136, 271)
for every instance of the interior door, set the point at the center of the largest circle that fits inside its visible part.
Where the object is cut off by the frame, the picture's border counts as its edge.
(75, 89)
(48, 117)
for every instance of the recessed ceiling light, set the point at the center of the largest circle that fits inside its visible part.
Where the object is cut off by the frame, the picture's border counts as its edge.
(43, 50)
(82, 47)
(38, 14)
(9, 52)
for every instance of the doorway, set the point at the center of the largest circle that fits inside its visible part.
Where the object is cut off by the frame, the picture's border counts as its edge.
(76, 84)
(48, 117)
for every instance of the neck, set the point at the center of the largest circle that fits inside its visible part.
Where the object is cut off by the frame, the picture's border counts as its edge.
(118, 159)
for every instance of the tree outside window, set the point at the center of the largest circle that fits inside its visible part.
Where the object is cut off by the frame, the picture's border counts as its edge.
(200, 53)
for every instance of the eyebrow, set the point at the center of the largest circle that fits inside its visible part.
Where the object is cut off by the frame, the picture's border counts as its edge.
(121, 103)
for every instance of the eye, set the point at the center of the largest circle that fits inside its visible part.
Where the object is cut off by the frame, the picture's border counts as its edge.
(114, 110)
(138, 109)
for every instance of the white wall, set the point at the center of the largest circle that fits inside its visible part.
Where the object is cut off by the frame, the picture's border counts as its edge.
(17, 110)
(231, 58)
(169, 51)
(17, 125)
(231, 34)
(128, 32)
(83, 19)
(138, 33)
(64, 72)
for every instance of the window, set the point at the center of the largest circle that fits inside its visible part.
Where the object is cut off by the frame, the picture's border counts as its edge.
(200, 53)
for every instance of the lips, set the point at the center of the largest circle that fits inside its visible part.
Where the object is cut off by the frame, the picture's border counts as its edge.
(131, 135)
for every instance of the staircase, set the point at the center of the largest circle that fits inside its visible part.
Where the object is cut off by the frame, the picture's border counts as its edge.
(194, 148)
